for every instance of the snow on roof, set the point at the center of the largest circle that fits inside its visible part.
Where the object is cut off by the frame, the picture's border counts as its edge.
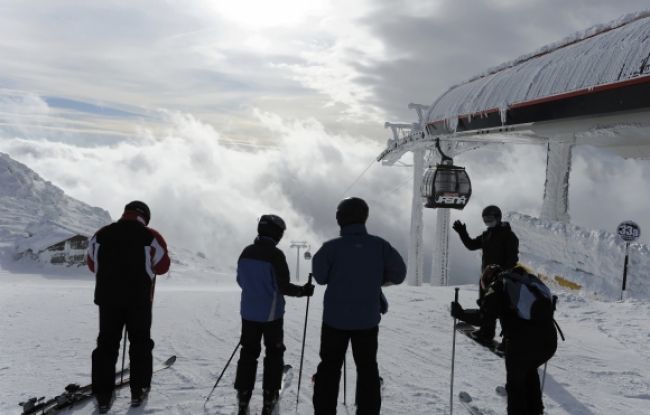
(600, 55)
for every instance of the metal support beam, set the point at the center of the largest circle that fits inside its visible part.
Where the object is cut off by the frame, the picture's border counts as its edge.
(440, 266)
(555, 205)
(415, 259)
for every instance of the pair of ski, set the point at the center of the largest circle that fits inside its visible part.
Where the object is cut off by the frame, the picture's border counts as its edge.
(287, 379)
(470, 331)
(468, 403)
(494, 347)
(75, 394)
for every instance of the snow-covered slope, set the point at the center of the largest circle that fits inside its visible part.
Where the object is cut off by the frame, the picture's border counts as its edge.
(35, 214)
(49, 329)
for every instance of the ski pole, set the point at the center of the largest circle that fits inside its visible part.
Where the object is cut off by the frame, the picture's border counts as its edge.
(123, 358)
(302, 352)
(222, 372)
(453, 358)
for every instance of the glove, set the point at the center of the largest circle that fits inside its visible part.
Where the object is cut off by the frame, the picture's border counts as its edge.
(383, 304)
(307, 290)
(457, 310)
(459, 227)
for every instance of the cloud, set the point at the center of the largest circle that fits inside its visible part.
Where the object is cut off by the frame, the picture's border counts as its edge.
(206, 196)
(195, 56)
(428, 50)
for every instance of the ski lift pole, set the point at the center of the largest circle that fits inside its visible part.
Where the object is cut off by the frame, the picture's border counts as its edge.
(453, 358)
(627, 256)
(302, 352)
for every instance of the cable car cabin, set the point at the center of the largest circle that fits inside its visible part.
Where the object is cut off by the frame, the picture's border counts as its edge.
(446, 186)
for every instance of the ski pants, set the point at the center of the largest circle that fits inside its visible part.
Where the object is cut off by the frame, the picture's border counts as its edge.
(333, 347)
(112, 320)
(252, 333)
(523, 356)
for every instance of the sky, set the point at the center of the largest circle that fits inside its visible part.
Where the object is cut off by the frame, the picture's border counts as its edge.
(216, 112)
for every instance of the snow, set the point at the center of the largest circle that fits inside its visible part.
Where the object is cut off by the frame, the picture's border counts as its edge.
(602, 368)
(592, 259)
(599, 55)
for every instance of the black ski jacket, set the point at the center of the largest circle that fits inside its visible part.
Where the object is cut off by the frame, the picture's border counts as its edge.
(500, 245)
(126, 256)
(519, 332)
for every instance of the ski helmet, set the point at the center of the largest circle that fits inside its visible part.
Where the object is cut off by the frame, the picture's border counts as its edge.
(490, 212)
(352, 210)
(140, 208)
(490, 274)
(272, 226)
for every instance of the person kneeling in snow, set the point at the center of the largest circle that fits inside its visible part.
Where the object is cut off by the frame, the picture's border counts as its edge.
(529, 332)
(263, 275)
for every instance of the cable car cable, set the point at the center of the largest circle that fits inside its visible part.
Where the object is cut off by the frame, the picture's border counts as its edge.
(359, 177)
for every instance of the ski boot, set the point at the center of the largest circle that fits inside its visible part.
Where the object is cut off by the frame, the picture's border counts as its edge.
(270, 401)
(243, 398)
(138, 396)
(104, 402)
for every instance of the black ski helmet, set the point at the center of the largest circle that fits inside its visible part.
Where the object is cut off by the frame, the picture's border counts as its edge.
(272, 226)
(352, 210)
(492, 210)
(140, 208)
(490, 274)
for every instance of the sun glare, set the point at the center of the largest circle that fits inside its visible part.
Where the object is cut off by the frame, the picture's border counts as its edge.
(264, 13)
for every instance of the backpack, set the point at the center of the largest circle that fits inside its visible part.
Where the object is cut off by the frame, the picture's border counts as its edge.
(529, 297)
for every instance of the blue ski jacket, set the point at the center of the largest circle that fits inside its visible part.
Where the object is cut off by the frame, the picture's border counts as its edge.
(354, 267)
(263, 275)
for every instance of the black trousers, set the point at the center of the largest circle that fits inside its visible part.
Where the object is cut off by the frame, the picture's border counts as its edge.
(252, 333)
(524, 355)
(334, 344)
(111, 323)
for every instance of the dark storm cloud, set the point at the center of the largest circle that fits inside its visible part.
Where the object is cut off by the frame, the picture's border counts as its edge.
(460, 39)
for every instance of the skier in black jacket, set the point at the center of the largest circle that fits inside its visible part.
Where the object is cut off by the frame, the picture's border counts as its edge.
(528, 344)
(263, 275)
(498, 242)
(125, 256)
(499, 246)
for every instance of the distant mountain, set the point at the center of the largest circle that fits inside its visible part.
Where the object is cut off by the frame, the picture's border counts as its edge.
(35, 216)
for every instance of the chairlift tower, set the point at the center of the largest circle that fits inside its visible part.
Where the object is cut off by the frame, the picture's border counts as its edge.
(299, 245)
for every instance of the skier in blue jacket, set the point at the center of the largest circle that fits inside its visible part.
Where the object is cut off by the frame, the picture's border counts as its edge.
(354, 267)
(263, 275)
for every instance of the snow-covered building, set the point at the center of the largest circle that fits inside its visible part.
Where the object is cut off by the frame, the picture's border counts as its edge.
(590, 88)
(51, 243)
